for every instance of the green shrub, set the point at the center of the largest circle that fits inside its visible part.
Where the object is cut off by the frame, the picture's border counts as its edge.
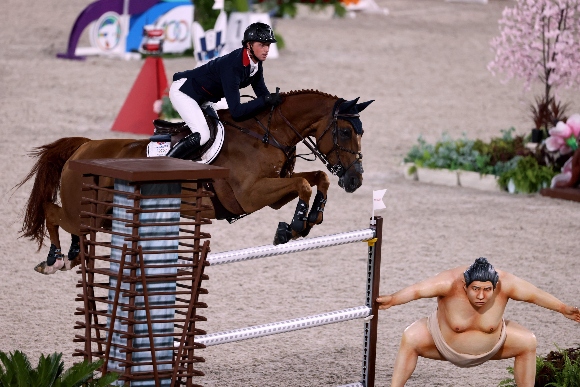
(559, 368)
(505, 156)
(16, 371)
(465, 154)
(528, 176)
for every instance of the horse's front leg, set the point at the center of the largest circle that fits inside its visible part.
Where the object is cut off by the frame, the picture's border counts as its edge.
(315, 216)
(276, 192)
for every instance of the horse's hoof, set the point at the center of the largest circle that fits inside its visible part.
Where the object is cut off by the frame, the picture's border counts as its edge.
(283, 233)
(68, 265)
(43, 268)
(306, 231)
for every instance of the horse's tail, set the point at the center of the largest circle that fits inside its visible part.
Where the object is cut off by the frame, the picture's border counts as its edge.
(48, 169)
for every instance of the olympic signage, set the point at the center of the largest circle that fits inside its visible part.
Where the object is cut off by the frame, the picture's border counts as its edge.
(113, 32)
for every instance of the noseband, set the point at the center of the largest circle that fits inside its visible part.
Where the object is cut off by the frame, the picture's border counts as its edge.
(337, 169)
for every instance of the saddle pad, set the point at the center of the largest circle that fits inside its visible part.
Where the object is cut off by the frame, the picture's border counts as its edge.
(158, 148)
(214, 150)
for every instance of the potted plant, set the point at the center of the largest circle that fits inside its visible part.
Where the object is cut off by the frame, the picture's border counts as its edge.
(559, 368)
(165, 109)
(16, 370)
(528, 176)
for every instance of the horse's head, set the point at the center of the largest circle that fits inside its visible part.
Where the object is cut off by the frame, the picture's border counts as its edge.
(340, 142)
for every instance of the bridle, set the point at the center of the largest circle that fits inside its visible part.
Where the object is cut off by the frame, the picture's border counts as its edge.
(337, 169)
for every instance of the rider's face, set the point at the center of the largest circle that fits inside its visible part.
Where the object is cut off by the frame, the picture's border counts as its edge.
(261, 50)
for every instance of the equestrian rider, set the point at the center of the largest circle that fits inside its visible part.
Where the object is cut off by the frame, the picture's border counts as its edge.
(224, 76)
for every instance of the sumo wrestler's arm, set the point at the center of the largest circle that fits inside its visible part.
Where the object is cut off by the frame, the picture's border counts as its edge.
(521, 290)
(437, 286)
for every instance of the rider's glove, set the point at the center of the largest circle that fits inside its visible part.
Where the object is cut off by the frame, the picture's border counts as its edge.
(274, 99)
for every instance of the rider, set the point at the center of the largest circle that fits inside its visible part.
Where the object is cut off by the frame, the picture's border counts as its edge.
(223, 77)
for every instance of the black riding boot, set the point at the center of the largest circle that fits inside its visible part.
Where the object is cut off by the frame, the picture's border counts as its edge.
(186, 146)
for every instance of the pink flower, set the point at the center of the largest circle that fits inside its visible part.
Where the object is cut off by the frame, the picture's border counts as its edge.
(157, 106)
(564, 136)
(574, 123)
(563, 178)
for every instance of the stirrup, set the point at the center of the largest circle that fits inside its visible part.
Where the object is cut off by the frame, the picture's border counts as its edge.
(186, 146)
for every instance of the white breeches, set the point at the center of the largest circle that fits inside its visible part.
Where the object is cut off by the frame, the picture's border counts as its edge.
(189, 110)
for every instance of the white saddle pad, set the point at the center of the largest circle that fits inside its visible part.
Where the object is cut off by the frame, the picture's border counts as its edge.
(215, 148)
(155, 149)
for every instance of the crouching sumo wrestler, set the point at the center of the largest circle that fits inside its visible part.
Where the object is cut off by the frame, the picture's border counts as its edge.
(467, 328)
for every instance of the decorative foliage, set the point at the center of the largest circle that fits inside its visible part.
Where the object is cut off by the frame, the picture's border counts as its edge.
(283, 8)
(486, 158)
(505, 156)
(540, 39)
(559, 368)
(16, 371)
(528, 176)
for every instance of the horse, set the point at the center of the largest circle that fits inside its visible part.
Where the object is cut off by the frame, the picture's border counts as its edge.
(260, 157)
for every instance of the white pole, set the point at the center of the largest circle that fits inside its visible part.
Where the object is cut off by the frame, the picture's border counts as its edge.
(290, 247)
(283, 326)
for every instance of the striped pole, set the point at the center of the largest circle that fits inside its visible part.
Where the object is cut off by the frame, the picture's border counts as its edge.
(283, 326)
(290, 247)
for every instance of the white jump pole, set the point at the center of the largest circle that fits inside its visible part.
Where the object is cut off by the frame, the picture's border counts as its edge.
(290, 247)
(368, 311)
(283, 326)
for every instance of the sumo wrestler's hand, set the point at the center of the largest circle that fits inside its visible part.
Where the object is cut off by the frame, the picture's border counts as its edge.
(572, 313)
(385, 302)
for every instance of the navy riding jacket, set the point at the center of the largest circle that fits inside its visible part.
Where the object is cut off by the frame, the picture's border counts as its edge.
(224, 77)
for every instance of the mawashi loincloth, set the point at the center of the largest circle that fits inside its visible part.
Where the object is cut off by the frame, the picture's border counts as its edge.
(462, 360)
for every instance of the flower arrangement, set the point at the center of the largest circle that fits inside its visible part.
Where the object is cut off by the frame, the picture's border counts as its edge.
(540, 40)
(563, 140)
(165, 109)
(564, 136)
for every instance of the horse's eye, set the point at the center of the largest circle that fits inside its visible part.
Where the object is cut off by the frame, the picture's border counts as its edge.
(345, 133)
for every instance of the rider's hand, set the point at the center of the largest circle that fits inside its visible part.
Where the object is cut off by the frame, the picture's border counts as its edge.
(273, 99)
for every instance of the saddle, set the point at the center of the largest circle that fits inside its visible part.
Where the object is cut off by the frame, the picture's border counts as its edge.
(178, 130)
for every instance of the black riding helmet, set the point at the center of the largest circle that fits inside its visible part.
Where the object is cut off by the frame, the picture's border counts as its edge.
(258, 32)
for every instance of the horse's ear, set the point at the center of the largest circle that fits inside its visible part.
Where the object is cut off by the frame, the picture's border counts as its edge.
(347, 106)
(361, 106)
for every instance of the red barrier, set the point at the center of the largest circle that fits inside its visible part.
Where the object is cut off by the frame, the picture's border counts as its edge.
(137, 115)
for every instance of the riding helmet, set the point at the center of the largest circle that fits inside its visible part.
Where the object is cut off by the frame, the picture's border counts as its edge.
(258, 32)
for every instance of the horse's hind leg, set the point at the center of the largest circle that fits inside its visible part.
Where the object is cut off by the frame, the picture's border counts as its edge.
(55, 259)
(73, 253)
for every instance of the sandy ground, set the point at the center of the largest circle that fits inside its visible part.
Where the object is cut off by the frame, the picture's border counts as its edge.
(425, 65)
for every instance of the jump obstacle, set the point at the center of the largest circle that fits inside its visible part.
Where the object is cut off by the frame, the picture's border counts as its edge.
(368, 311)
(142, 318)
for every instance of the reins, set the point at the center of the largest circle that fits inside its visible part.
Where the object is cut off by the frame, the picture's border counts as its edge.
(337, 169)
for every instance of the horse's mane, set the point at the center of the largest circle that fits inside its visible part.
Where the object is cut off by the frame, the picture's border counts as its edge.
(307, 91)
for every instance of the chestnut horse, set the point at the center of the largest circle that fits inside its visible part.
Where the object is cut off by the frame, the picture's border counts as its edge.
(260, 154)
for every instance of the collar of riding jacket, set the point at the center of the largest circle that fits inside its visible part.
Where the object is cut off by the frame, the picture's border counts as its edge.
(246, 57)
(246, 60)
